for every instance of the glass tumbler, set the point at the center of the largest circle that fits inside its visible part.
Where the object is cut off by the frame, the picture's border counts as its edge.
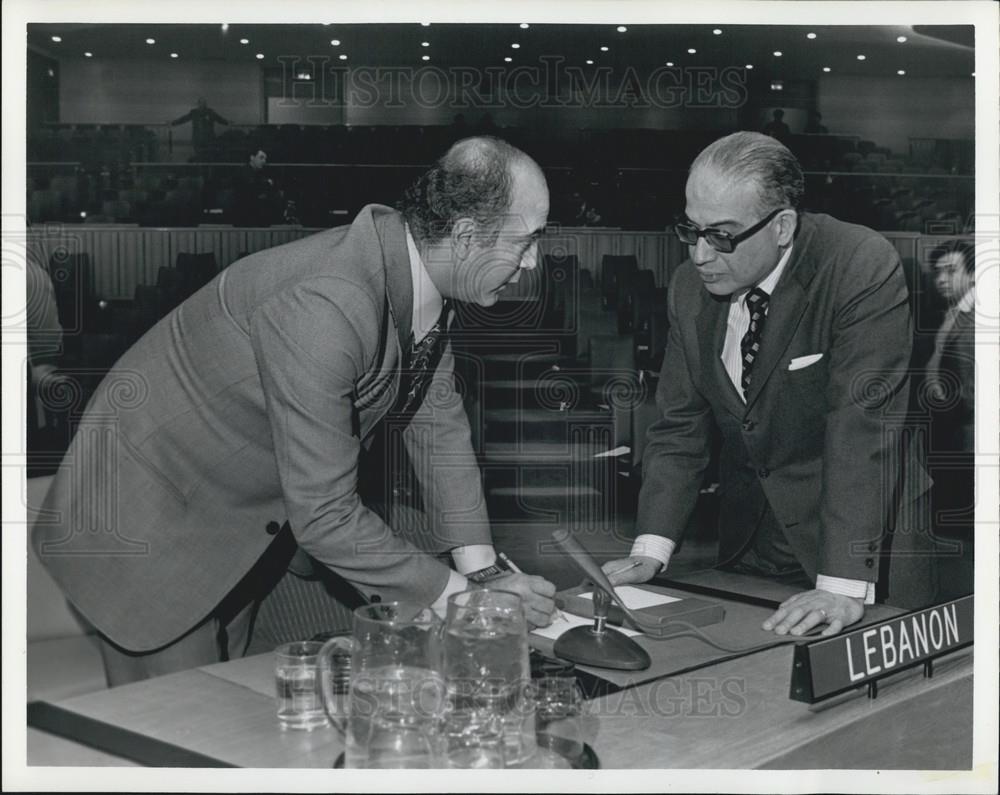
(558, 721)
(300, 703)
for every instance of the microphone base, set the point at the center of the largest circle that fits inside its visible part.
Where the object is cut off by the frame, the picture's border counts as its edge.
(607, 649)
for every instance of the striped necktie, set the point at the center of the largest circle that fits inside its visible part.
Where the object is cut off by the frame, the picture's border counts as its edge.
(756, 302)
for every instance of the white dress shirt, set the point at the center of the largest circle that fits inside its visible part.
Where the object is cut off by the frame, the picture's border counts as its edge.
(427, 304)
(661, 548)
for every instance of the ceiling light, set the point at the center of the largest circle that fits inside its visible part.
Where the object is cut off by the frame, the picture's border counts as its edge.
(88, 55)
(425, 24)
(425, 57)
(343, 56)
(590, 62)
(515, 46)
(717, 32)
(826, 68)
(334, 42)
(57, 39)
(174, 55)
(260, 56)
(691, 51)
(749, 66)
(777, 53)
(810, 35)
(604, 49)
(900, 71)
(150, 41)
(973, 74)
(244, 41)
(303, 76)
(901, 39)
(225, 26)
(621, 29)
(425, 44)
(670, 63)
(861, 57)
(777, 85)
(508, 59)
(524, 26)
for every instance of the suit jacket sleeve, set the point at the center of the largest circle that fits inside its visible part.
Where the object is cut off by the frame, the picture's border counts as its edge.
(310, 351)
(867, 393)
(678, 444)
(439, 443)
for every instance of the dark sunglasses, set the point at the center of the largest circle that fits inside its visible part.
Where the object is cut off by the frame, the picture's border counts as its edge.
(722, 242)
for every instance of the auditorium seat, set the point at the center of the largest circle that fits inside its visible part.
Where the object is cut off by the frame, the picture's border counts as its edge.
(613, 268)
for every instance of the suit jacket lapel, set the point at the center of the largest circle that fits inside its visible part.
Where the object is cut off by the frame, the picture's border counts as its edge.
(785, 310)
(711, 326)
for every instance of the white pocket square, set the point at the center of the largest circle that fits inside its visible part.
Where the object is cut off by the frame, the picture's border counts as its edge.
(804, 361)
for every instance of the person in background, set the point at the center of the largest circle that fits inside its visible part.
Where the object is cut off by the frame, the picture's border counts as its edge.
(777, 128)
(951, 389)
(203, 120)
(790, 334)
(45, 334)
(814, 124)
(222, 454)
(259, 202)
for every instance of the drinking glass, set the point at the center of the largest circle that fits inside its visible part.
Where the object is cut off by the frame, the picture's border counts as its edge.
(472, 739)
(558, 722)
(334, 672)
(486, 665)
(300, 704)
(397, 696)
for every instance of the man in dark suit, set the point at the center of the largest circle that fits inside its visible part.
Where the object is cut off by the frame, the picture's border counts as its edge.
(232, 432)
(790, 333)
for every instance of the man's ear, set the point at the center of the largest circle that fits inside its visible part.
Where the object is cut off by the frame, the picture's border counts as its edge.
(787, 220)
(463, 235)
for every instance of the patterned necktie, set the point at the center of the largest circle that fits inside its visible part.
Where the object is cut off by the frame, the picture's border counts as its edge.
(421, 363)
(756, 301)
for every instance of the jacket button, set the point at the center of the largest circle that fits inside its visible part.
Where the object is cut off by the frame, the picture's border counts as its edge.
(872, 547)
(763, 472)
(749, 425)
(870, 562)
(272, 528)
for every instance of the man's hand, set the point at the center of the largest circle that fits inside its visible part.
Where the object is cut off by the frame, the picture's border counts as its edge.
(536, 594)
(808, 609)
(637, 568)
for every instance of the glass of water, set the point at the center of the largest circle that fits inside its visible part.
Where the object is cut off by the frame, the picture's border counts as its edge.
(486, 666)
(300, 702)
(558, 721)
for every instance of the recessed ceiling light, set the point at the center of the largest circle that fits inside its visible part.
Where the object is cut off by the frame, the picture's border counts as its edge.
(590, 62)
(900, 71)
(88, 55)
(244, 41)
(826, 68)
(260, 56)
(749, 66)
(691, 51)
(174, 55)
(150, 41)
(225, 26)
(670, 63)
(717, 31)
(524, 26)
(334, 42)
(425, 24)
(515, 46)
(604, 48)
(425, 57)
(777, 53)
(303, 76)
(621, 29)
(508, 59)
(810, 35)
(343, 56)
(862, 57)
(425, 44)
(901, 39)
(57, 39)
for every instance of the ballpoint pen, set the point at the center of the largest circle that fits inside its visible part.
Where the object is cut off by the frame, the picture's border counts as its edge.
(514, 568)
(623, 569)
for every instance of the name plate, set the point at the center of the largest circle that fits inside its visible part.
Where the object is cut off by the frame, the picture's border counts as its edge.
(829, 666)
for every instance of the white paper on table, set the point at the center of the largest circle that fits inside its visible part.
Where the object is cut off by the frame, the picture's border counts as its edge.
(637, 598)
(569, 620)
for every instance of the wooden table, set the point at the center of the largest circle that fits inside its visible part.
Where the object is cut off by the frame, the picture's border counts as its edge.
(730, 714)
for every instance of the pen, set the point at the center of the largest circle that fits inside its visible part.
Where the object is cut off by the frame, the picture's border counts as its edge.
(514, 568)
(623, 569)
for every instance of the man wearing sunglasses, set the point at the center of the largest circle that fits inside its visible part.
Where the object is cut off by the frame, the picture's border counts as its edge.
(790, 335)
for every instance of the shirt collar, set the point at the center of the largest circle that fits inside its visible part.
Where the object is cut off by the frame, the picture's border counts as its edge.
(771, 280)
(427, 301)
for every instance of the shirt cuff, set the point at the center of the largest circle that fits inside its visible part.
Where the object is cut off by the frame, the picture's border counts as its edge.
(473, 557)
(650, 545)
(859, 589)
(456, 584)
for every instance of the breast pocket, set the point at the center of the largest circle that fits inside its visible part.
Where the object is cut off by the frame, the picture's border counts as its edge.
(808, 387)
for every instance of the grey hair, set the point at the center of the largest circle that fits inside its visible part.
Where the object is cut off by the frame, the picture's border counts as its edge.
(472, 179)
(765, 161)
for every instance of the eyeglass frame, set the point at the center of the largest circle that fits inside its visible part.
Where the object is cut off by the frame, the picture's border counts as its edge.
(732, 240)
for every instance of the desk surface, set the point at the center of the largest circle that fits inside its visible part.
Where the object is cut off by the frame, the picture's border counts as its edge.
(733, 713)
